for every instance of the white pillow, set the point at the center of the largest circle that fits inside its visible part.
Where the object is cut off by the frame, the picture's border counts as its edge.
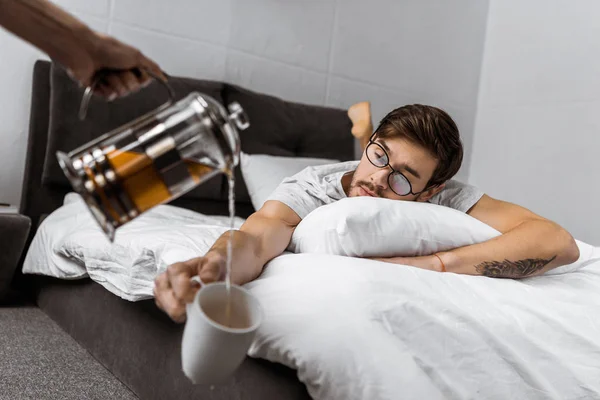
(377, 227)
(263, 173)
(41, 258)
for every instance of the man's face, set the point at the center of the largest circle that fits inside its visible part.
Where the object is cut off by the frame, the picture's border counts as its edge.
(413, 161)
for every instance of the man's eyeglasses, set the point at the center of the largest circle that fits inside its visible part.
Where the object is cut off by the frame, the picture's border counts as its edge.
(397, 182)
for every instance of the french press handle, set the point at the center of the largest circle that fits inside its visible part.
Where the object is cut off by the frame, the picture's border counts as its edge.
(89, 91)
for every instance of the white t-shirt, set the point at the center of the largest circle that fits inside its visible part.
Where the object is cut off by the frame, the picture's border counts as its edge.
(314, 187)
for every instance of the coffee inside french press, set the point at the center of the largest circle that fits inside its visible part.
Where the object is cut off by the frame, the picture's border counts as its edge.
(155, 158)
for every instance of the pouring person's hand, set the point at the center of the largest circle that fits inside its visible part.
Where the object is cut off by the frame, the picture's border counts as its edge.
(85, 53)
(123, 67)
(174, 288)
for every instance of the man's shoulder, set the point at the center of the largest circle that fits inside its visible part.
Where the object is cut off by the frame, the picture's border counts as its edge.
(334, 167)
(455, 184)
(458, 195)
(312, 187)
(322, 171)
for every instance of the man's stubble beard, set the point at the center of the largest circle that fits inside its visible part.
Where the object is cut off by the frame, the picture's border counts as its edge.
(355, 184)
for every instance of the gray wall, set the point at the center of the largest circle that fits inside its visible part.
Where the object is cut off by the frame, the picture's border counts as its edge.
(328, 52)
(537, 135)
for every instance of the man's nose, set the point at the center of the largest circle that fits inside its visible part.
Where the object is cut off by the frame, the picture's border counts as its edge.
(380, 178)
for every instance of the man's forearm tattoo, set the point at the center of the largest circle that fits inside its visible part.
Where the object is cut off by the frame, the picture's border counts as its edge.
(512, 269)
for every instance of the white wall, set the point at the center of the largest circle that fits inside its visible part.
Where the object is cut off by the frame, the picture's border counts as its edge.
(537, 137)
(327, 52)
(16, 67)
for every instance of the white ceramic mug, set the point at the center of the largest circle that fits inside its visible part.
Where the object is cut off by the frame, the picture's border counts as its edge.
(214, 347)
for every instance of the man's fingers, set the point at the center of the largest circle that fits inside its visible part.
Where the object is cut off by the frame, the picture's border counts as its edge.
(113, 81)
(157, 295)
(187, 268)
(161, 285)
(211, 270)
(125, 81)
(183, 289)
(142, 76)
(130, 81)
(180, 275)
(174, 288)
(162, 282)
(153, 67)
(166, 300)
(172, 306)
(105, 91)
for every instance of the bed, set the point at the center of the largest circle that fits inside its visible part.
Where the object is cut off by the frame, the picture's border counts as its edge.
(135, 341)
(338, 325)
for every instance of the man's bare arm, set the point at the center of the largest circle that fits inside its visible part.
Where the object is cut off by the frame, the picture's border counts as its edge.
(46, 26)
(263, 236)
(529, 245)
(78, 48)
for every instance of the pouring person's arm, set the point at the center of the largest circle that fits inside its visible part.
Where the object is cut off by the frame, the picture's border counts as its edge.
(264, 235)
(78, 48)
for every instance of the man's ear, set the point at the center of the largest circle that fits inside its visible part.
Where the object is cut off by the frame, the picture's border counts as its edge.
(429, 193)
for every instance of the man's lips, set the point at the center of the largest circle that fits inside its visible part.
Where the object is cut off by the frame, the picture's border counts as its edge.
(366, 192)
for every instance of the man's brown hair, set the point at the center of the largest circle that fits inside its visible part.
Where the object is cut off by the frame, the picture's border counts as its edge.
(431, 128)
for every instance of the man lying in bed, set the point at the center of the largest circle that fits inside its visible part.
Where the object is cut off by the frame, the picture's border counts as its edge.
(412, 156)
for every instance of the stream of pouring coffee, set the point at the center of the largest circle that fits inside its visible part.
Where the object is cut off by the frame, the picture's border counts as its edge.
(231, 184)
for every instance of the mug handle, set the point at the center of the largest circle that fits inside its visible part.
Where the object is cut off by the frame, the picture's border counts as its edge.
(89, 91)
(196, 279)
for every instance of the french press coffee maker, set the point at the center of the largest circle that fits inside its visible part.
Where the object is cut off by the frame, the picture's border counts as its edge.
(155, 158)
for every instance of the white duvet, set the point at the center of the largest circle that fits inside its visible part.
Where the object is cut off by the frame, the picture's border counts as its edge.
(70, 245)
(362, 329)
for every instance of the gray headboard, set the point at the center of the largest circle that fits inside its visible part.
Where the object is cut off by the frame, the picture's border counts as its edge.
(278, 127)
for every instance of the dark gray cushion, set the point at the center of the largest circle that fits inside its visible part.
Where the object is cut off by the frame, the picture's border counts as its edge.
(277, 127)
(280, 127)
(284, 128)
(13, 234)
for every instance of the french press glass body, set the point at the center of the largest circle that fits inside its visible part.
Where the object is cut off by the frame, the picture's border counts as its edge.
(155, 158)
